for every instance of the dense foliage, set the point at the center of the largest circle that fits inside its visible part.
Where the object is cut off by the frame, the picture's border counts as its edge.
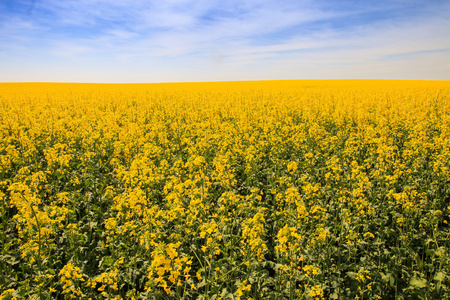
(239, 190)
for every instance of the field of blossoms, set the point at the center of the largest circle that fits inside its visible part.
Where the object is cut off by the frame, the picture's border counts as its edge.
(231, 190)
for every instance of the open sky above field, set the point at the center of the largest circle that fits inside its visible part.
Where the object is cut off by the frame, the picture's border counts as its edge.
(209, 40)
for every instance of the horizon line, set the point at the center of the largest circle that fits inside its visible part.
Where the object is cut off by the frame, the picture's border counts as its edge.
(223, 81)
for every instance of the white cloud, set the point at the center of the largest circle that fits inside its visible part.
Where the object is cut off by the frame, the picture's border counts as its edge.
(180, 39)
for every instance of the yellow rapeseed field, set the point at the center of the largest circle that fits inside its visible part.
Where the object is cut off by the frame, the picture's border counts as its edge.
(230, 190)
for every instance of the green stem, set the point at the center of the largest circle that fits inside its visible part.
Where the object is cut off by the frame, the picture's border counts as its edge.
(221, 277)
(39, 232)
(4, 225)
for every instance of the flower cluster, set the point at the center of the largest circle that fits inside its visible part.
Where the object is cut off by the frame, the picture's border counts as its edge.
(250, 190)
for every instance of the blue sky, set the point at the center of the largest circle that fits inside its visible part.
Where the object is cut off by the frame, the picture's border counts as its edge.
(184, 40)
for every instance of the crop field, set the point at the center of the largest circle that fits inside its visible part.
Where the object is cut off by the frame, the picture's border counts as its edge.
(229, 190)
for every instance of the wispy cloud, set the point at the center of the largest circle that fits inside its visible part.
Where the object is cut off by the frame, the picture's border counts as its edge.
(185, 40)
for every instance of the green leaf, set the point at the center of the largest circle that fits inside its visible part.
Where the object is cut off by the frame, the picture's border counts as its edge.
(388, 278)
(202, 283)
(108, 261)
(224, 293)
(334, 296)
(418, 283)
(439, 276)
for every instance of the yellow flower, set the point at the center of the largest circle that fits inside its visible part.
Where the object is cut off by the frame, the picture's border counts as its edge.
(369, 234)
(311, 270)
(316, 292)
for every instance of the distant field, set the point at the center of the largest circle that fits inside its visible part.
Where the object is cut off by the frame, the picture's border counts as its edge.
(231, 190)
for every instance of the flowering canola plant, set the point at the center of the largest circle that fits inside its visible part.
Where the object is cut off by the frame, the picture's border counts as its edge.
(233, 190)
